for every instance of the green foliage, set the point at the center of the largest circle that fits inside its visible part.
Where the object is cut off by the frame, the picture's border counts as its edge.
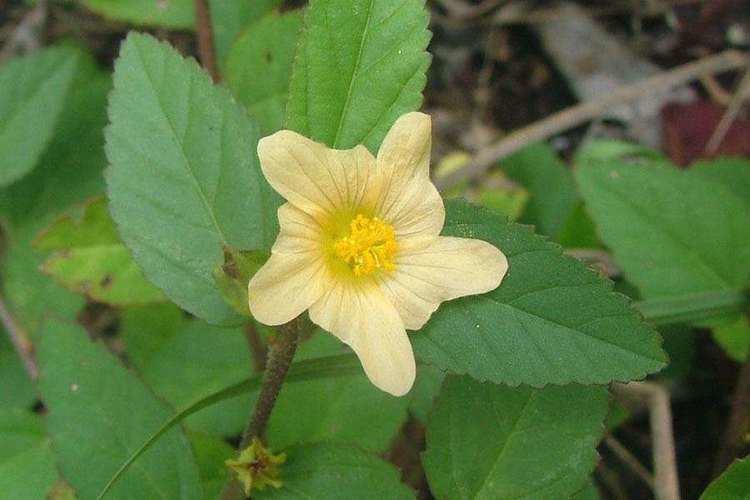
(346, 409)
(17, 389)
(184, 180)
(488, 441)
(210, 454)
(30, 474)
(732, 173)
(170, 14)
(230, 17)
(95, 404)
(673, 233)
(68, 172)
(336, 472)
(734, 338)
(551, 321)
(733, 484)
(90, 259)
(553, 193)
(183, 359)
(33, 90)
(259, 67)
(360, 65)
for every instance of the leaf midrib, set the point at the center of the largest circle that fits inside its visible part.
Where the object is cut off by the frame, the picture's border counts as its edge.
(186, 163)
(355, 71)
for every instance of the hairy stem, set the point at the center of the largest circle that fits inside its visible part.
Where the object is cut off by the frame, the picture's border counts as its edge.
(280, 355)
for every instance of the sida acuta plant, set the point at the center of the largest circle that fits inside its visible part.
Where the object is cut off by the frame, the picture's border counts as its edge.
(360, 246)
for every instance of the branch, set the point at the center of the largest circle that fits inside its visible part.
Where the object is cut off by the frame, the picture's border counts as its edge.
(656, 397)
(732, 440)
(206, 39)
(280, 354)
(20, 340)
(733, 109)
(573, 116)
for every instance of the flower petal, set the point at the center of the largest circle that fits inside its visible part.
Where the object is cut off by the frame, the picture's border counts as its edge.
(312, 177)
(298, 231)
(408, 199)
(361, 316)
(445, 269)
(286, 285)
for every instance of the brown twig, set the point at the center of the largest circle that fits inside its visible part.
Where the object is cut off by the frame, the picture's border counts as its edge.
(628, 459)
(735, 430)
(20, 340)
(733, 108)
(543, 129)
(26, 37)
(205, 33)
(656, 398)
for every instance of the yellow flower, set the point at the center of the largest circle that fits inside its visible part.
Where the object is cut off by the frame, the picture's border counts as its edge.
(359, 246)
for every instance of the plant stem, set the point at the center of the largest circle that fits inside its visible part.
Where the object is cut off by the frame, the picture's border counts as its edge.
(20, 340)
(732, 441)
(206, 39)
(280, 354)
(693, 308)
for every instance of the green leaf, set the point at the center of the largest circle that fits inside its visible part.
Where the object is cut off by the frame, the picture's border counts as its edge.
(69, 172)
(91, 259)
(332, 366)
(360, 65)
(425, 390)
(19, 431)
(552, 320)
(496, 442)
(27, 466)
(579, 230)
(17, 390)
(336, 472)
(175, 14)
(259, 67)
(733, 484)
(30, 474)
(734, 338)
(732, 173)
(345, 409)
(550, 182)
(210, 454)
(671, 232)
(230, 17)
(95, 404)
(184, 181)
(33, 90)
(182, 359)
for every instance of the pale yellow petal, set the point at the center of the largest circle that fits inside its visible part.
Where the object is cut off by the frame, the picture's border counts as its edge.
(445, 269)
(312, 177)
(405, 152)
(408, 199)
(361, 316)
(286, 286)
(298, 231)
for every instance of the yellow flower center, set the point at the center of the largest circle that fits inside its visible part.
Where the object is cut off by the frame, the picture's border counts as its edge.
(369, 247)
